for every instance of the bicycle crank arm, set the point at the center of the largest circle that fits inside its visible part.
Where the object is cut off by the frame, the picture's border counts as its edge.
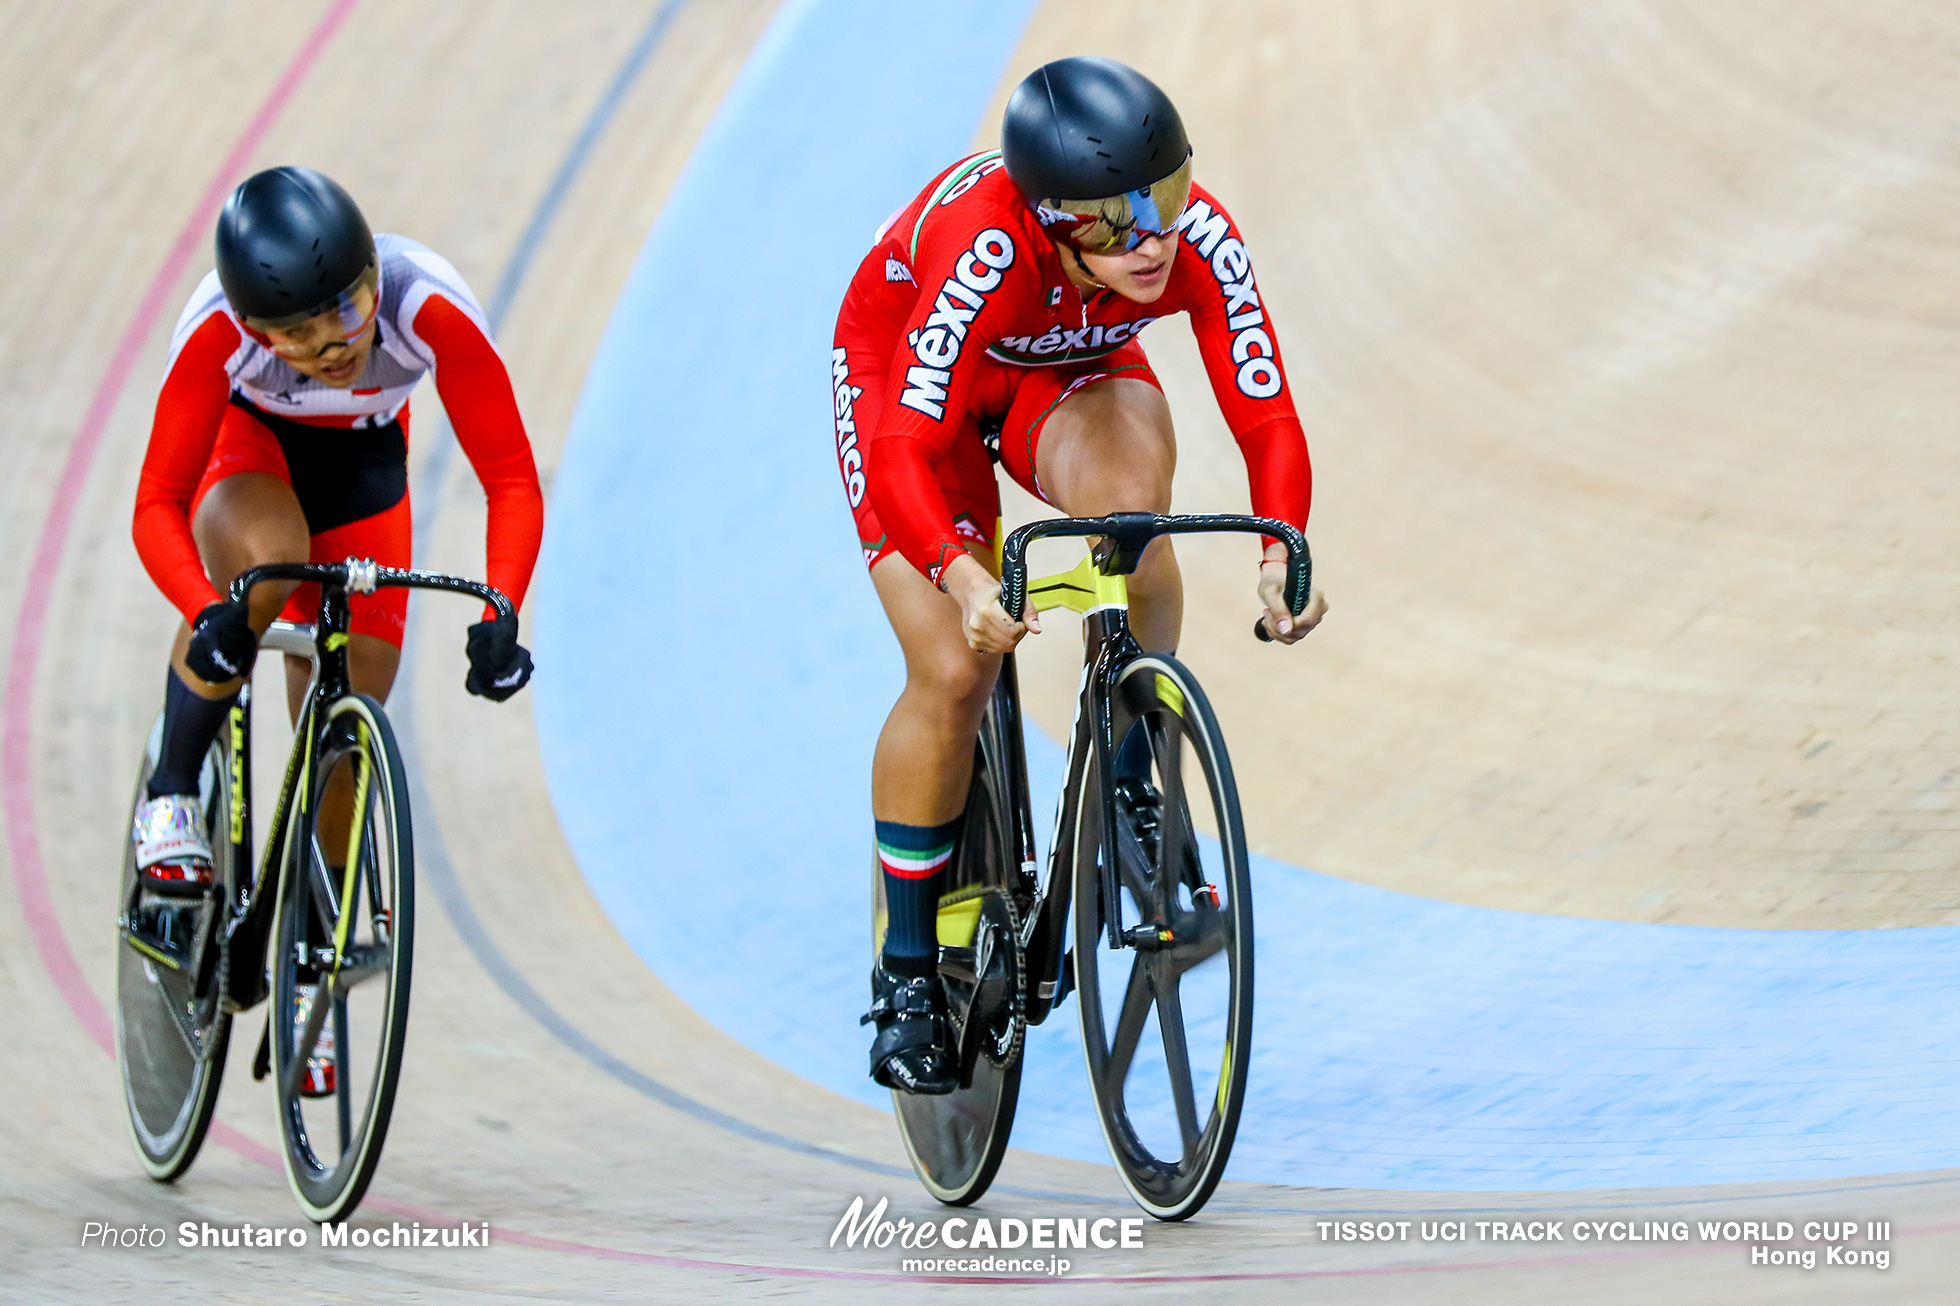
(359, 964)
(154, 948)
(958, 963)
(262, 1059)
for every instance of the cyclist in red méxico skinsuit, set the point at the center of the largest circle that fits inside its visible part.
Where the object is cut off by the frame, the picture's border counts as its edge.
(998, 318)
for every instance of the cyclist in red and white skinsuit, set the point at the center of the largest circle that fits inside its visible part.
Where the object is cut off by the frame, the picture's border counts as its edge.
(228, 406)
(990, 316)
(283, 437)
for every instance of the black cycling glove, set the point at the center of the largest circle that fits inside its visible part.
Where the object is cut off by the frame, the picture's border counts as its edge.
(222, 644)
(499, 665)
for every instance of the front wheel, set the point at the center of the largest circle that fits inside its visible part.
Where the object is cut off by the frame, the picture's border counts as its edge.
(346, 930)
(1167, 1015)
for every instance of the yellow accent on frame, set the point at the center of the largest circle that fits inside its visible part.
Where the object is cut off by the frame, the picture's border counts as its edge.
(958, 923)
(1168, 692)
(1081, 588)
(337, 640)
(362, 784)
(238, 778)
(305, 764)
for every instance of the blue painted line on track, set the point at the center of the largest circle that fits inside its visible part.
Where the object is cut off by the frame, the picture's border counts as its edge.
(719, 669)
(575, 159)
(437, 870)
(442, 445)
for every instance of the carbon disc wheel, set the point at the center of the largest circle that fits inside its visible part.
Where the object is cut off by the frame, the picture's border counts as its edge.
(172, 1031)
(956, 1141)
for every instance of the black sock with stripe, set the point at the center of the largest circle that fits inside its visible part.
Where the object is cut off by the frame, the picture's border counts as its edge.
(912, 859)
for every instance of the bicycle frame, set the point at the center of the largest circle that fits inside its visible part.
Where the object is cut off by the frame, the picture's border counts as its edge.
(1097, 588)
(250, 924)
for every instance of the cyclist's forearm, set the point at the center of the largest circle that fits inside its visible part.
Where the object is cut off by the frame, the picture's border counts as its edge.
(969, 582)
(1279, 470)
(911, 505)
(190, 406)
(511, 540)
(476, 392)
(169, 553)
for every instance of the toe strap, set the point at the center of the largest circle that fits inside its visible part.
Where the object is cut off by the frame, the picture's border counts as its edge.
(903, 1034)
(906, 1016)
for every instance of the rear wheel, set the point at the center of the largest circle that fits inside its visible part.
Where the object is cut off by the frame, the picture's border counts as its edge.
(956, 1141)
(171, 1027)
(1167, 1016)
(346, 924)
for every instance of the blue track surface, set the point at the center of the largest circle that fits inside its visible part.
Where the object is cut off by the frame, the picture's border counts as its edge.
(708, 743)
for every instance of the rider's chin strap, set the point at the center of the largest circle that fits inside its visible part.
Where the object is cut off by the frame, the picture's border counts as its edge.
(1092, 279)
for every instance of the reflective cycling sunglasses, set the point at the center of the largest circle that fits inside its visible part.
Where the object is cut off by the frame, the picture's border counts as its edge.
(1120, 222)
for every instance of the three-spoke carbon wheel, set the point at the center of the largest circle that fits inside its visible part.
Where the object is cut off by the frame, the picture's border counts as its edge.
(1167, 1016)
(956, 1141)
(341, 960)
(171, 1026)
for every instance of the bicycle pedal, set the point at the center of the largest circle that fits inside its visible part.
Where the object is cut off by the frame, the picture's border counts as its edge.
(155, 945)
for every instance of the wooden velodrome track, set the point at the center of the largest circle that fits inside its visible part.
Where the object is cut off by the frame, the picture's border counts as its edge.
(1623, 334)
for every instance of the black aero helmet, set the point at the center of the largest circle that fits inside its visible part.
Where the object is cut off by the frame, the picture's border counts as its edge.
(292, 245)
(1100, 152)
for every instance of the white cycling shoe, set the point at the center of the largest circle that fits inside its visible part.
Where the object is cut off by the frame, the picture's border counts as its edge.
(173, 856)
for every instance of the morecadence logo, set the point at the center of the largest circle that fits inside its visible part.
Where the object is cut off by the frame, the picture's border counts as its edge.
(968, 1244)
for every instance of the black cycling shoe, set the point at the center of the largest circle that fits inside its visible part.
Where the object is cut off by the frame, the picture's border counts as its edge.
(912, 1052)
(1139, 803)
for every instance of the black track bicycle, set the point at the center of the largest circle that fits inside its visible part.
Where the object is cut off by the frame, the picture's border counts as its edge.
(337, 907)
(1159, 947)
